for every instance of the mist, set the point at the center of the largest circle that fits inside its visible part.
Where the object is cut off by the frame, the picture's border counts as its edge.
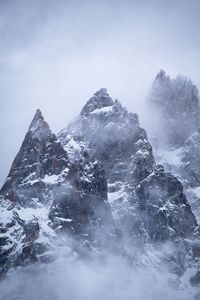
(56, 55)
(114, 278)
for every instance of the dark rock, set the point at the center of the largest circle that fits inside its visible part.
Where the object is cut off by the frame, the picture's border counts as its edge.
(175, 131)
(81, 206)
(40, 155)
(190, 160)
(167, 212)
(99, 100)
(106, 193)
(112, 135)
(195, 280)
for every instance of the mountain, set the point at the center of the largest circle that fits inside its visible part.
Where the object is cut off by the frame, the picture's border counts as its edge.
(95, 191)
(176, 104)
(148, 205)
(39, 160)
(45, 194)
(107, 131)
(176, 139)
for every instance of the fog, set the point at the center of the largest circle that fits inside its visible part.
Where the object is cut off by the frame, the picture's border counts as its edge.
(55, 54)
(75, 280)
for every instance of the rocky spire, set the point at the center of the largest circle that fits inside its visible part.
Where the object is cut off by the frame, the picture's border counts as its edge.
(114, 137)
(100, 99)
(40, 154)
(38, 116)
(162, 82)
(176, 103)
(39, 127)
(147, 203)
(162, 75)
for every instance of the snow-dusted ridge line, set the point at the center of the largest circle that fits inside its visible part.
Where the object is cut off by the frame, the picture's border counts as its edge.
(93, 191)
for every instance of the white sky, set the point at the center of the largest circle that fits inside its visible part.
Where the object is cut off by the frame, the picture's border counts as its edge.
(55, 54)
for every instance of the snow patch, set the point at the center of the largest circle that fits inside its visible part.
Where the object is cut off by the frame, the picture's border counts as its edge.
(115, 195)
(105, 109)
(51, 179)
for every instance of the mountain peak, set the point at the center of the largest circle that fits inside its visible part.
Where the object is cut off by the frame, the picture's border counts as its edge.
(37, 117)
(162, 76)
(101, 92)
(39, 127)
(177, 103)
(100, 99)
(161, 73)
(38, 114)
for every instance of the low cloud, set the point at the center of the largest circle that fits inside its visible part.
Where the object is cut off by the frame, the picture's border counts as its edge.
(114, 278)
(55, 55)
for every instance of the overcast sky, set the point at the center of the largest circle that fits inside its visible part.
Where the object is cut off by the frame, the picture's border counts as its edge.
(55, 54)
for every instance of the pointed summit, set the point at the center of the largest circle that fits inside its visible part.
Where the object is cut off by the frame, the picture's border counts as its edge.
(39, 128)
(102, 93)
(40, 154)
(100, 99)
(176, 101)
(38, 116)
(161, 74)
(162, 77)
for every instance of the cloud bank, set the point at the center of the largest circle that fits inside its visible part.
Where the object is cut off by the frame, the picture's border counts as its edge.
(55, 55)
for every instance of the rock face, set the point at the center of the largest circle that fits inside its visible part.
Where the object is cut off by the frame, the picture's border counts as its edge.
(137, 190)
(178, 141)
(177, 106)
(80, 204)
(45, 192)
(190, 159)
(40, 157)
(107, 132)
(168, 219)
(17, 237)
(97, 184)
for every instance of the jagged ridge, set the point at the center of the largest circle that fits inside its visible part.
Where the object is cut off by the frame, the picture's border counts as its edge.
(106, 145)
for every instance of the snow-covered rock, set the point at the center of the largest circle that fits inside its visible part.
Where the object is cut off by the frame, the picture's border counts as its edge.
(45, 191)
(176, 138)
(107, 131)
(95, 189)
(40, 157)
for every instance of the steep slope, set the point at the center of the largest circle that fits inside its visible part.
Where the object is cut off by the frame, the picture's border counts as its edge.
(105, 197)
(39, 161)
(170, 218)
(108, 132)
(44, 195)
(176, 138)
(148, 204)
(177, 109)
